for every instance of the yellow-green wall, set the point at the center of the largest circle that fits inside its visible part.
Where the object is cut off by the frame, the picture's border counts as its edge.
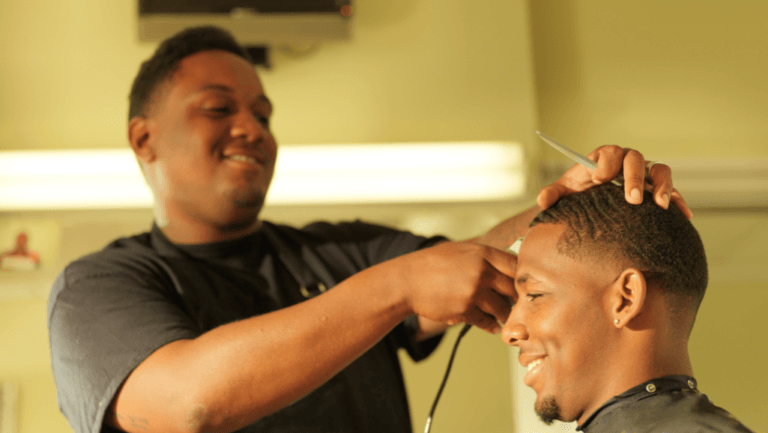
(25, 360)
(728, 345)
(675, 79)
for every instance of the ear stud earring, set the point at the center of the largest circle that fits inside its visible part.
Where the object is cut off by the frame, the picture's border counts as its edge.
(616, 321)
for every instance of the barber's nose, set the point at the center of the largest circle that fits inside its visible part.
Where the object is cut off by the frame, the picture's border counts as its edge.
(513, 332)
(248, 126)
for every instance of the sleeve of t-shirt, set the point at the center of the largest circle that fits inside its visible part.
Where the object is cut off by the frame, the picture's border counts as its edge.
(104, 318)
(371, 244)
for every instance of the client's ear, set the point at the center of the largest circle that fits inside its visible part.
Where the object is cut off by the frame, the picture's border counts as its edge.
(627, 297)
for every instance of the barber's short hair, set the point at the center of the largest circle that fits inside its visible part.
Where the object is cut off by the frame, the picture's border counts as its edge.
(158, 68)
(662, 244)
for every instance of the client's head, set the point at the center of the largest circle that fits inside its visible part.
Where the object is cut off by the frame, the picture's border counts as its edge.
(607, 294)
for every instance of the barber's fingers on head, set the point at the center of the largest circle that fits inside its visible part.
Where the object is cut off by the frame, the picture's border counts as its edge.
(663, 191)
(576, 178)
(613, 160)
(679, 201)
(634, 176)
(634, 171)
(550, 194)
(661, 178)
(610, 160)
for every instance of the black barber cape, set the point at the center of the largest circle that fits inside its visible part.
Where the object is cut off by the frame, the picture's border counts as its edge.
(110, 310)
(669, 404)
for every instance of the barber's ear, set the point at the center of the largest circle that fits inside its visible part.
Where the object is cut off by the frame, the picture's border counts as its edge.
(139, 137)
(627, 297)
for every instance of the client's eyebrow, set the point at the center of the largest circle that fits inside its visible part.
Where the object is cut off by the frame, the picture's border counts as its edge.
(522, 279)
(527, 278)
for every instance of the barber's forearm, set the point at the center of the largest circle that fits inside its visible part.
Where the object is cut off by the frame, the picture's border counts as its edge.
(238, 373)
(280, 357)
(506, 233)
(430, 328)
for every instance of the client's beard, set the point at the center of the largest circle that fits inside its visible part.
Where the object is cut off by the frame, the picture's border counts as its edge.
(548, 411)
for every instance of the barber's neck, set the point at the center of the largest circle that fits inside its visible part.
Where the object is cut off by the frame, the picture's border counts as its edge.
(185, 230)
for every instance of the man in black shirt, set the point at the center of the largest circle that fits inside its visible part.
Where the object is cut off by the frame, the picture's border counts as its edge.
(606, 297)
(218, 321)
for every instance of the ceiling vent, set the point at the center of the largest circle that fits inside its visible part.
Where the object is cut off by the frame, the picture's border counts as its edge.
(252, 22)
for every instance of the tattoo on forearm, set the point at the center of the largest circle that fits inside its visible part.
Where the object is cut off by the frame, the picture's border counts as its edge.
(139, 422)
(135, 421)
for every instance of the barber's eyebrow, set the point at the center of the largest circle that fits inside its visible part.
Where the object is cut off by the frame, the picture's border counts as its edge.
(523, 278)
(227, 89)
(219, 87)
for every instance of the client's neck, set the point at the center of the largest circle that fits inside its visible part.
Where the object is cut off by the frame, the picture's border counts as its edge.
(651, 356)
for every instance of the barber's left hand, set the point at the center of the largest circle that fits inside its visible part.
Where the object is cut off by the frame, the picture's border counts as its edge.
(610, 161)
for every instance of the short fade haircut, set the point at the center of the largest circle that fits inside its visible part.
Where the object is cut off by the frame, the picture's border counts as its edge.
(662, 244)
(160, 67)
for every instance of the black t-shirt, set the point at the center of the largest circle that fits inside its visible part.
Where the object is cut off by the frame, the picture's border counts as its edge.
(110, 310)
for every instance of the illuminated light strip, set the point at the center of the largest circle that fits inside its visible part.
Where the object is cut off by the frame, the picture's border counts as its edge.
(305, 174)
(71, 179)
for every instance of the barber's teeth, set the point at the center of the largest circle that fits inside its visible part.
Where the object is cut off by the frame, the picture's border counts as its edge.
(243, 158)
(533, 364)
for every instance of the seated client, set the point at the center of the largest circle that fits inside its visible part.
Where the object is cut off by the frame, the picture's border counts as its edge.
(607, 294)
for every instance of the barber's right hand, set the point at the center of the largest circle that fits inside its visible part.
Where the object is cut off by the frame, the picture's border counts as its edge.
(457, 282)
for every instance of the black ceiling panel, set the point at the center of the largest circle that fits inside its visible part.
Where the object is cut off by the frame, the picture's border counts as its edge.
(228, 6)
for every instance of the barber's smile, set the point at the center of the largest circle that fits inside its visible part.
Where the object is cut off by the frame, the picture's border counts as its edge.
(243, 160)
